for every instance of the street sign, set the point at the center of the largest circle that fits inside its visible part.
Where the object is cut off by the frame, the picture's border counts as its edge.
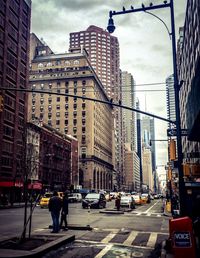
(173, 132)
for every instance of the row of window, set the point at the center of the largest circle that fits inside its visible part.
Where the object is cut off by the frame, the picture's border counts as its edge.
(67, 62)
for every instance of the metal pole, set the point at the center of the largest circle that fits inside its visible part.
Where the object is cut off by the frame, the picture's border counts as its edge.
(178, 125)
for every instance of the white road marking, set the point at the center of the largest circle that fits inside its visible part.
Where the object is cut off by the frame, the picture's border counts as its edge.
(104, 251)
(151, 207)
(110, 236)
(130, 238)
(152, 240)
(138, 214)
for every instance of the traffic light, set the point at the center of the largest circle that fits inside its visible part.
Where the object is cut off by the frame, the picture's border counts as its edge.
(1, 103)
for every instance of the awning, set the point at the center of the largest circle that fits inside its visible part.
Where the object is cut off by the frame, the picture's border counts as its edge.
(35, 186)
(11, 184)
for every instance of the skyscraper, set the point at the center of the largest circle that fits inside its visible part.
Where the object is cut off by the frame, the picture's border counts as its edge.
(148, 133)
(103, 53)
(14, 67)
(128, 99)
(171, 111)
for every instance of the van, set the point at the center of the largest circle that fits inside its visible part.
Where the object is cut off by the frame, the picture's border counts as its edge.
(74, 197)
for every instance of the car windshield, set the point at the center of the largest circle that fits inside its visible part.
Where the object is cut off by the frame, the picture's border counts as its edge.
(92, 196)
(136, 197)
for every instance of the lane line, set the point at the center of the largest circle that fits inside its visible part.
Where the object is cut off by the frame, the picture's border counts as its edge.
(130, 238)
(151, 207)
(104, 251)
(152, 240)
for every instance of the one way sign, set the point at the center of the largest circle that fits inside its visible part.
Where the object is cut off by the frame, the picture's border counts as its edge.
(173, 132)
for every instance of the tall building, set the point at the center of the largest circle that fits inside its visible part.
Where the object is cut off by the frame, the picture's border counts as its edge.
(171, 110)
(88, 121)
(188, 70)
(103, 53)
(147, 168)
(132, 170)
(148, 133)
(139, 139)
(128, 99)
(14, 66)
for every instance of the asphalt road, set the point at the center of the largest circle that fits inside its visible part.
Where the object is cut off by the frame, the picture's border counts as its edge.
(138, 233)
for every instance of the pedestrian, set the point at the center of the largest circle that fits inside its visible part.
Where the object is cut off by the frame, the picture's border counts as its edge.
(55, 205)
(64, 212)
(118, 201)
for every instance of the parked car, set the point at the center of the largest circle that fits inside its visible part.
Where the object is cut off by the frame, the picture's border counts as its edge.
(137, 199)
(145, 197)
(94, 200)
(74, 197)
(127, 201)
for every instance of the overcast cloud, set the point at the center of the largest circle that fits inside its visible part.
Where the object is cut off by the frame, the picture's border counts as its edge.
(145, 46)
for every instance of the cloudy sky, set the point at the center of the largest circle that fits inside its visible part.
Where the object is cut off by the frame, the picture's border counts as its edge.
(145, 46)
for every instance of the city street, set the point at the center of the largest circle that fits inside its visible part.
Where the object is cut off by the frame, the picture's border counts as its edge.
(137, 233)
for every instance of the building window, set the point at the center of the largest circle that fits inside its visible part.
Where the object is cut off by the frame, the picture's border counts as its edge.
(66, 91)
(49, 115)
(66, 84)
(66, 106)
(57, 114)
(67, 62)
(49, 107)
(66, 114)
(83, 113)
(50, 100)
(83, 141)
(83, 129)
(83, 105)
(41, 101)
(74, 129)
(57, 122)
(58, 99)
(58, 107)
(66, 130)
(66, 122)
(66, 99)
(49, 122)
(75, 91)
(75, 84)
(49, 64)
(75, 99)
(75, 106)
(75, 113)
(83, 121)
(83, 152)
(75, 121)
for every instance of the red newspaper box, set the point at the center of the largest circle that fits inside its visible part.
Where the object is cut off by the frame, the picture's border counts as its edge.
(181, 234)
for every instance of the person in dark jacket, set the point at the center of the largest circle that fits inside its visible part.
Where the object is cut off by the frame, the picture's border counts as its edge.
(55, 205)
(64, 212)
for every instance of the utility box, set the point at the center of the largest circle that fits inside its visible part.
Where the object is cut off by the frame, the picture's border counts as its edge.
(181, 234)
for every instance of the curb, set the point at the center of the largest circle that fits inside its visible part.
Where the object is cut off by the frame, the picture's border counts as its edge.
(112, 212)
(37, 252)
(76, 227)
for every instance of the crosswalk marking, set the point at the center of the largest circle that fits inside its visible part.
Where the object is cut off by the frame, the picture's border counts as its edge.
(109, 236)
(104, 251)
(152, 240)
(130, 238)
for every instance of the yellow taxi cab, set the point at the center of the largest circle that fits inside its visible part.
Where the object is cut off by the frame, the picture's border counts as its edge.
(44, 201)
(137, 199)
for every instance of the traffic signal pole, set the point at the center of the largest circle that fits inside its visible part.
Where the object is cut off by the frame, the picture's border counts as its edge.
(111, 28)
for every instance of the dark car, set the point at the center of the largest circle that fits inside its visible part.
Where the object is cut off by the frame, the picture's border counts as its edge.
(94, 200)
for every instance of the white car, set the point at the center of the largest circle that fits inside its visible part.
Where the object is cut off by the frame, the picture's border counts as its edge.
(74, 197)
(127, 201)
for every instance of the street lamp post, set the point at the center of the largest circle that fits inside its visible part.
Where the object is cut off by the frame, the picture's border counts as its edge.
(111, 29)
